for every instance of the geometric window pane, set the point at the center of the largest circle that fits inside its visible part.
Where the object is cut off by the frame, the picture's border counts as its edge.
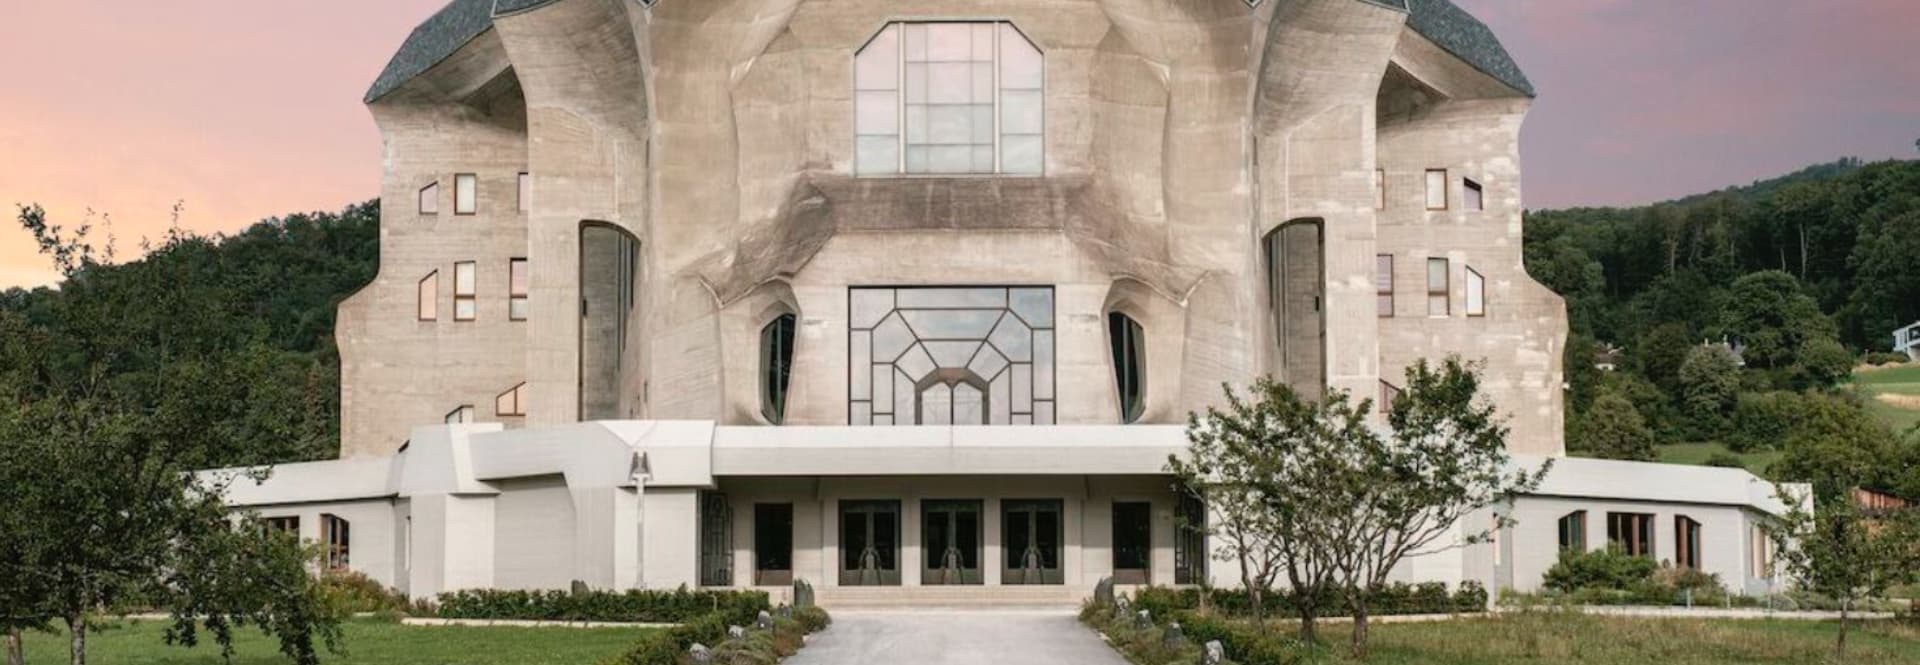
(944, 353)
(949, 97)
(430, 199)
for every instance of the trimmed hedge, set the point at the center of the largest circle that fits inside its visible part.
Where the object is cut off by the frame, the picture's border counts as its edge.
(669, 647)
(637, 606)
(1393, 599)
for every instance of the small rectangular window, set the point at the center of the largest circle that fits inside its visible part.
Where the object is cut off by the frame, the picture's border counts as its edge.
(517, 289)
(1476, 199)
(1438, 301)
(1686, 542)
(526, 192)
(460, 416)
(466, 194)
(1379, 189)
(512, 402)
(464, 292)
(430, 199)
(336, 536)
(1383, 284)
(1762, 550)
(287, 524)
(1436, 189)
(429, 305)
(1631, 532)
(1476, 293)
(1573, 532)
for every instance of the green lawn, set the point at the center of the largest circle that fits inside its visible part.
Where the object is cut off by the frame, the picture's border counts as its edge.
(1697, 454)
(366, 642)
(1903, 380)
(1543, 638)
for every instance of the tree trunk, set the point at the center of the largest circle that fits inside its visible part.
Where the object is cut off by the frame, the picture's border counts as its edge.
(16, 652)
(1840, 645)
(1306, 621)
(77, 630)
(1360, 630)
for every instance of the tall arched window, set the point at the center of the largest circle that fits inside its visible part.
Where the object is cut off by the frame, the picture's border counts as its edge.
(949, 98)
(776, 367)
(1129, 371)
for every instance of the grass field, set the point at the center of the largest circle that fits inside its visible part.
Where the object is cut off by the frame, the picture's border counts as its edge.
(365, 643)
(1542, 638)
(1697, 454)
(1902, 381)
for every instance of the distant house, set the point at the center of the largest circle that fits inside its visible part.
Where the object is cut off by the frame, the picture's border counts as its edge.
(1907, 340)
(1733, 347)
(1607, 358)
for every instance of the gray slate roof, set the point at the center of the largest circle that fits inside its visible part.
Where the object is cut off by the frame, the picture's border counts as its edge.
(1441, 21)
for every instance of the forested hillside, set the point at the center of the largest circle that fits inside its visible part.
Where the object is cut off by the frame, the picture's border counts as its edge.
(223, 340)
(1801, 275)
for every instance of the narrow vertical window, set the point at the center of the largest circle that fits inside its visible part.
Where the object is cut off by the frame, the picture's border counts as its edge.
(1436, 189)
(1439, 302)
(1475, 197)
(1762, 550)
(466, 194)
(429, 305)
(1631, 532)
(1476, 293)
(1389, 394)
(1383, 285)
(525, 198)
(336, 535)
(949, 98)
(1686, 542)
(1573, 532)
(776, 366)
(517, 289)
(430, 199)
(464, 292)
(1379, 189)
(460, 416)
(513, 402)
(1127, 338)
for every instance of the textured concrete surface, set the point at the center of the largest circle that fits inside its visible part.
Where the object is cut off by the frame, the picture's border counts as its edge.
(1008, 637)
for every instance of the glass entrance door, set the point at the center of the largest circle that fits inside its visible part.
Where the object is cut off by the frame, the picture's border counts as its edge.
(1032, 533)
(1132, 541)
(950, 537)
(869, 543)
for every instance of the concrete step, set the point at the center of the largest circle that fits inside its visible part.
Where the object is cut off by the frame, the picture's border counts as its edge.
(1052, 597)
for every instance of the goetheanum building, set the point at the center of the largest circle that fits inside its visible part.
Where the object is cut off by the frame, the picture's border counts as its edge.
(909, 298)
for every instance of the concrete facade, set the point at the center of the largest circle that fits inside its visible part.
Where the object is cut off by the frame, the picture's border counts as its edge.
(679, 176)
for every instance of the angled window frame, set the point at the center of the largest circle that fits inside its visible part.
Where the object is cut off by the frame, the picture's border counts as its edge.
(427, 297)
(512, 403)
(1474, 195)
(429, 199)
(1127, 343)
(1476, 305)
(776, 365)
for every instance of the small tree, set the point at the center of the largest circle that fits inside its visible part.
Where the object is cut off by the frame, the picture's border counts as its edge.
(1709, 386)
(1613, 429)
(1228, 454)
(1413, 490)
(1834, 548)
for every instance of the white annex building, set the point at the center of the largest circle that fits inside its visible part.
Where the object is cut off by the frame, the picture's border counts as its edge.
(910, 298)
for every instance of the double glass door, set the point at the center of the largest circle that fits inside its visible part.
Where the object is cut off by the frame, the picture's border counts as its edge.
(869, 543)
(1031, 536)
(950, 534)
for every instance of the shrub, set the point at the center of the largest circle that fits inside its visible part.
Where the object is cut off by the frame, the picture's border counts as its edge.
(759, 647)
(812, 619)
(634, 605)
(1761, 421)
(1878, 358)
(358, 593)
(1609, 568)
(1724, 459)
(1393, 599)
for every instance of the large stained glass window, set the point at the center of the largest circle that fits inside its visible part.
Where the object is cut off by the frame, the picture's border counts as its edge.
(950, 356)
(946, 98)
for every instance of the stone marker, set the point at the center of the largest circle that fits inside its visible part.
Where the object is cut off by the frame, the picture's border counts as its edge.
(1216, 654)
(579, 588)
(1143, 620)
(699, 653)
(802, 594)
(764, 621)
(1120, 607)
(736, 632)
(1174, 638)
(785, 611)
(1103, 592)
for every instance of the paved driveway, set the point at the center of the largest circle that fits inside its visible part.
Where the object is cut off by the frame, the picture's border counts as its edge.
(959, 637)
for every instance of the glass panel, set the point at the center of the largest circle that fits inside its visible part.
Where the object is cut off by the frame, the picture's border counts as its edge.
(983, 154)
(951, 355)
(1013, 340)
(1384, 305)
(1383, 273)
(987, 298)
(860, 413)
(1132, 535)
(982, 84)
(916, 124)
(1022, 388)
(903, 398)
(1001, 399)
(987, 363)
(878, 155)
(969, 407)
(517, 308)
(883, 387)
(464, 309)
(465, 194)
(1043, 364)
(1437, 190)
(463, 279)
(938, 526)
(858, 358)
(916, 363)
(1019, 535)
(1436, 274)
(877, 67)
(517, 277)
(971, 324)
(1021, 112)
(773, 536)
(1021, 155)
(1021, 67)
(430, 199)
(917, 159)
(868, 306)
(950, 124)
(1043, 413)
(916, 42)
(916, 83)
(967, 534)
(936, 405)
(891, 338)
(950, 83)
(1034, 305)
(983, 41)
(949, 42)
(1475, 199)
(950, 159)
(876, 113)
(429, 306)
(1476, 294)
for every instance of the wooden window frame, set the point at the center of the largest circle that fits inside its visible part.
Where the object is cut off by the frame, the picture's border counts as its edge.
(1384, 288)
(453, 417)
(517, 293)
(471, 297)
(1446, 197)
(1474, 277)
(1686, 542)
(1579, 522)
(1633, 532)
(336, 536)
(518, 407)
(1474, 186)
(282, 523)
(469, 177)
(431, 192)
(428, 308)
(1389, 394)
(1445, 289)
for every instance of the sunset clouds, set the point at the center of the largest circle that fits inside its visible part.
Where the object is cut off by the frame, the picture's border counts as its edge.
(245, 109)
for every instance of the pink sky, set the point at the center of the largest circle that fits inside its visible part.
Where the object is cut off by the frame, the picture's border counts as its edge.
(246, 109)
